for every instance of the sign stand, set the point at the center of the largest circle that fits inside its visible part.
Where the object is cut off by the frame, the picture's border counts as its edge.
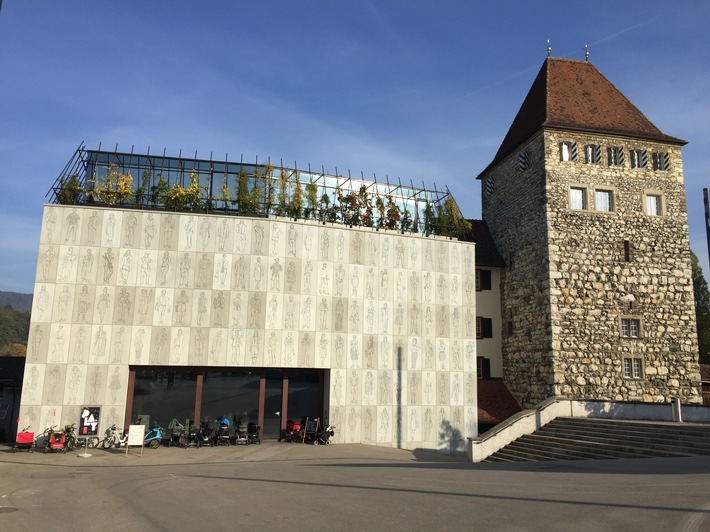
(88, 426)
(85, 454)
(136, 435)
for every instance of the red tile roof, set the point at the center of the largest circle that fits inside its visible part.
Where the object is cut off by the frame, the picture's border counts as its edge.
(571, 94)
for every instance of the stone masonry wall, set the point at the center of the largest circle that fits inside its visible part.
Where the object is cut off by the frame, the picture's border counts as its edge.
(595, 281)
(513, 202)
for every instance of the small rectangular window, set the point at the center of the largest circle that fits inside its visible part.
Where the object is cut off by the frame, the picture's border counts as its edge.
(578, 198)
(523, 161)
(483, 367)
(483, 280)
(630, 328)
(661, 161)
(568, 151)
(616, 156)
(593, 154)
(627, 251)
(484, 328)
(604, 200)
(639, 158)
(633, 368)
(653, 205)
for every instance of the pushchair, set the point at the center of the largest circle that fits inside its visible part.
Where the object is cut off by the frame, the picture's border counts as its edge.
(25, 441)
(222, 432)
(177, 432)
(325, 435)
(241, 434)
(253, 431)
(205, 435)
(293, 431)
(55, 440)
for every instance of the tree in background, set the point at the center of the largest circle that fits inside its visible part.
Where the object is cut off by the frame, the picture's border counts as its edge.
(14, 329)
(702, 309)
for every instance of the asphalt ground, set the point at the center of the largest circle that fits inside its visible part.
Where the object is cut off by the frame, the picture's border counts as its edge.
(282, 486)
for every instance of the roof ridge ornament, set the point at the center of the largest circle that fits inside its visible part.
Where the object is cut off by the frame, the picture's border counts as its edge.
(586, 53)
(549, 48)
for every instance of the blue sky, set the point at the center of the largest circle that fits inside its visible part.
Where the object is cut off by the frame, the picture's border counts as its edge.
(411, 89)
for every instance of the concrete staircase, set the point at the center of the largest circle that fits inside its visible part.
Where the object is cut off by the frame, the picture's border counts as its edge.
(568, 438)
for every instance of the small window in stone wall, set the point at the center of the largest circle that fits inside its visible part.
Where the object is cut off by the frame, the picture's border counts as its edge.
(633, 368)
(483, 367)
(627, 251)
(490, 185)
(593, 154)
(568, 151)
(577, 198)
(661, 161)
(639, 159)
(523, 161)
(654, 204)
(616, 155)
(604, 200)
(630, 327)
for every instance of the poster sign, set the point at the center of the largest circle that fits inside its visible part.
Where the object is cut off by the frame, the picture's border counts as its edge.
(89, 420)
(136, 433)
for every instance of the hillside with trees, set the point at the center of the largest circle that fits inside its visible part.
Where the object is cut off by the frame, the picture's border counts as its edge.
(14, 329)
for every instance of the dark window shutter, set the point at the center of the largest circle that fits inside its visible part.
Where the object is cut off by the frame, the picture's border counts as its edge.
(485, 279)
(487, 326)
(486, 368)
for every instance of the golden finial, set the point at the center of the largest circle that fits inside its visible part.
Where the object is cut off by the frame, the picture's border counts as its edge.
(586, 53)
(549, 48)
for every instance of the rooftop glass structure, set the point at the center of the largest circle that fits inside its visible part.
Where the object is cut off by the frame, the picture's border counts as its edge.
(162, 182)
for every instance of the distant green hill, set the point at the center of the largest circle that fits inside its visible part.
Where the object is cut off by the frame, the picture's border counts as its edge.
(14, 329)
(20, 302)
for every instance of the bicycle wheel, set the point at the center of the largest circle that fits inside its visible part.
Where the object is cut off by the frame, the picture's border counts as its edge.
(107, 443)
(92, 442)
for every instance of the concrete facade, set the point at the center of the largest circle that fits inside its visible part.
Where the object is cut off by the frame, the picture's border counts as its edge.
(385, 314)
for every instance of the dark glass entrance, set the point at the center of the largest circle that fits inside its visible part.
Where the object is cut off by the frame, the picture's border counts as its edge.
(267, 396)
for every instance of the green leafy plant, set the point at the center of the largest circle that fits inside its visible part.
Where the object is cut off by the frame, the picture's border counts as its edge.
(393, 214)
(364, 206)
(159, 191)
(71, 191)
(180, 198)
(116, 188)
(295, 207)
(311, 200)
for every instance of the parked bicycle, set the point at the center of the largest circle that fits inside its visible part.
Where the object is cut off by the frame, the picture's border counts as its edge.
(114, 438)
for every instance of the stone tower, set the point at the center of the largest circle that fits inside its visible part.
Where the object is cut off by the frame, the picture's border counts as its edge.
(586, 203)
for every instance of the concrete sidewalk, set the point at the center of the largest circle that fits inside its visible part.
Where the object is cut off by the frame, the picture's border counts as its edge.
(345, 487)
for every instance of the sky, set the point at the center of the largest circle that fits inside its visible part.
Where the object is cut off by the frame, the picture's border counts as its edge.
(417, 90)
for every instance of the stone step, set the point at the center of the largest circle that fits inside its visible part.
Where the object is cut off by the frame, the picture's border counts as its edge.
(589, 439)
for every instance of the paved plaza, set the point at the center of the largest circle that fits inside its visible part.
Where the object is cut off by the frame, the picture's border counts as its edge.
(280, 486)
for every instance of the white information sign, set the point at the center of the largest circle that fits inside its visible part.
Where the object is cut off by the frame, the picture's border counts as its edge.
(136, 433)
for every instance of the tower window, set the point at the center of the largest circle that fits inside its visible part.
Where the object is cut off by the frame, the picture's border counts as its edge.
(523, 161)
(568, 151)
(604, 200)
(616, 156)
(627, 251)
(593, 154)
(630, 328)
(633, 368)
(654, 204)
(639, 158)
(578, 198)
(490, 185)
(661, 161)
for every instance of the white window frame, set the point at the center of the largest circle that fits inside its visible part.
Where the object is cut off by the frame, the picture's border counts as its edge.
(633, 368)
(578, 203)
(653, 203)
(604, 200)
(631, 327)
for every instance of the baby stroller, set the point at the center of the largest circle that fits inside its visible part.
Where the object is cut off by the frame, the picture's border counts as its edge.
(205, 436)
(293, 431)
(241, 434)
(193, 437)
(325, 435)
(253, 431)
(25, 441)
(177, 432)
(55, 440)
(222, 433)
